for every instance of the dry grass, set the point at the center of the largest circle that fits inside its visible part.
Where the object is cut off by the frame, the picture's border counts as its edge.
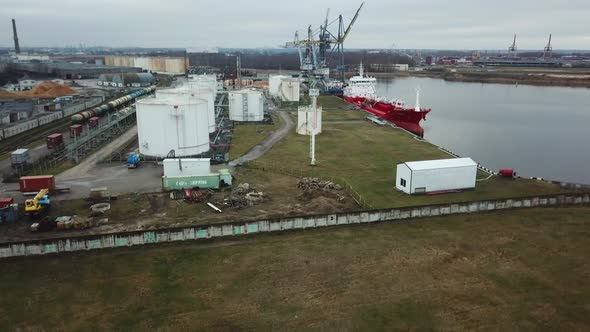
(366, 156)
(247, 136)
(511, 270)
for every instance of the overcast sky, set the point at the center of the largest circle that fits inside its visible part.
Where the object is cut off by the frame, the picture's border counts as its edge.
(194, 24)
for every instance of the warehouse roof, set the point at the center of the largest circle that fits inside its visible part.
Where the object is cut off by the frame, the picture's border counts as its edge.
(440, 163)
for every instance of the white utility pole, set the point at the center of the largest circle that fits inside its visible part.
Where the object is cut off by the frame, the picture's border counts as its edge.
(313, 93)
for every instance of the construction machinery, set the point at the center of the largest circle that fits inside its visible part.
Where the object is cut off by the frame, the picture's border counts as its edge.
(38, 204)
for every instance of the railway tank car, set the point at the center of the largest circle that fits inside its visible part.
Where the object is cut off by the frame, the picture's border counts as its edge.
(112, 105)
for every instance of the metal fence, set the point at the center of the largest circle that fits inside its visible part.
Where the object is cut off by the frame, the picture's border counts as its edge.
(125, 239)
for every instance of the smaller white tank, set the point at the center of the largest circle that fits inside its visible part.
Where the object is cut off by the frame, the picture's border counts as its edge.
(306, 117)
(209, 81)
(246, 105)
(289, 89)
(274, 84)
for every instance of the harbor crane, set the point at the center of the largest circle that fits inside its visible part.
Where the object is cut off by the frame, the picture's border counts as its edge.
(548, 50)
(319, 47)
(512, 48)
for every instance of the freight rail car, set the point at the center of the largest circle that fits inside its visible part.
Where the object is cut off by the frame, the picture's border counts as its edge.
(57, 115)
(43, 120)
(101, 110)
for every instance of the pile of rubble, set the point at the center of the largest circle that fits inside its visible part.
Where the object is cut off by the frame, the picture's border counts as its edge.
(315, 187)
(244, 195)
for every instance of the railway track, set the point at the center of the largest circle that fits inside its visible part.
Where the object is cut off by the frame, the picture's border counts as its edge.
(21, 140)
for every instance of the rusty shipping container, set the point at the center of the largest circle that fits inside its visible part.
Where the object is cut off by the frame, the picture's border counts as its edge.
(76, 130)
(36, 183)
(55, 140)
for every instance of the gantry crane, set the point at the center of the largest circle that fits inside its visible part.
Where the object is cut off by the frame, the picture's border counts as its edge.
(319, 47)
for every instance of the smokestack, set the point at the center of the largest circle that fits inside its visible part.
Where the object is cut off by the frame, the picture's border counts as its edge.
(16, 46)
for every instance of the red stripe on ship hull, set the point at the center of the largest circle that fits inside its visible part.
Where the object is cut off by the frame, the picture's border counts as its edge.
(406, 118)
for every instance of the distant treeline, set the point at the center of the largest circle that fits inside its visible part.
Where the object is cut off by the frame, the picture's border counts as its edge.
(290, 61)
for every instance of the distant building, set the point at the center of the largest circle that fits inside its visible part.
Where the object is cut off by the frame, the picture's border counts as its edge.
(68, 70)
(135, 80)
(22, 85)
(13, 110)
(389, 67)
(155, 64)
(401, 66)
(30, 57)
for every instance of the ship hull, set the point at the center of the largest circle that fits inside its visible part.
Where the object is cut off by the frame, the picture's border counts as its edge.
(406, 118)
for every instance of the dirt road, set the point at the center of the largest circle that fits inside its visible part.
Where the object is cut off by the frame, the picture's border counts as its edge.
(266, 144)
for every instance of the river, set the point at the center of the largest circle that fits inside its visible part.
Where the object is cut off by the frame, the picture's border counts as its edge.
(538, 131)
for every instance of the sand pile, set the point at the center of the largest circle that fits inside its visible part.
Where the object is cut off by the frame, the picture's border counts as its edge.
(44, 90)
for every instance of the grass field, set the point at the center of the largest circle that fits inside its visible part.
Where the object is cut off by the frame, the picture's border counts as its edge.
(365, 155)
(247, 136)
(332, 102)
(510, 270)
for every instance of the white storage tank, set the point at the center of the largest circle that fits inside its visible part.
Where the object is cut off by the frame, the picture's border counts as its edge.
(194, 92)
(289, 89)
(418, 177)
(274, 84)
(209, 81)
(178, 124)
(246, 105)
(306, 117)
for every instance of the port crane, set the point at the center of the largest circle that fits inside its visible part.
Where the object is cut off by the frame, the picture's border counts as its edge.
(319, 47)
(512, 48)
(548, 50)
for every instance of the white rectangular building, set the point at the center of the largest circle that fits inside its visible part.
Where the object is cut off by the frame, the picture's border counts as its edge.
(418, 177)
(187, 167)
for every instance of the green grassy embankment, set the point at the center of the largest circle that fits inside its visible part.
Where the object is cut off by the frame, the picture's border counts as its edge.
(510, 270)
(366, 155)
(247, 136)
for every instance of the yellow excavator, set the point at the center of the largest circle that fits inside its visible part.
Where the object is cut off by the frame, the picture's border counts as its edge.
(38, 204)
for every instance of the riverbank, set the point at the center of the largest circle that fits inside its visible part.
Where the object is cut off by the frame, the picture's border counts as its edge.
(566, 77)
(515, 76)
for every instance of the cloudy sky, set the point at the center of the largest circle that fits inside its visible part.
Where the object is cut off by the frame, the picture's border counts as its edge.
(194, 24)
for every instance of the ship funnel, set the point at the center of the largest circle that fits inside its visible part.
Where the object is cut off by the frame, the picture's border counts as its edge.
(417, 108)
(361, 69)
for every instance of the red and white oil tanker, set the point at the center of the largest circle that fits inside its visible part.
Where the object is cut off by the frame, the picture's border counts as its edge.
(361, 92)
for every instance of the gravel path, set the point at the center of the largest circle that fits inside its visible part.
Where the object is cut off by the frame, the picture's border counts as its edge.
(266, 144)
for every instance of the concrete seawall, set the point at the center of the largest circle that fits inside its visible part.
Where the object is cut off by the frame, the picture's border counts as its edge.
(125, 239)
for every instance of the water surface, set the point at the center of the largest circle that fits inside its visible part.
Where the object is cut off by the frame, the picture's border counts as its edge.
(538, 131)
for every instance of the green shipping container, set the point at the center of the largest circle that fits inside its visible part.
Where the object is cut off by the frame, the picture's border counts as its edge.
(189, 182)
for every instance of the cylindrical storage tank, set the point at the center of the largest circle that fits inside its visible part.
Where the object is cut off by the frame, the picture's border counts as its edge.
(197, 92)
(77, 118)
(178, 124)
(274, 84)
(246, 105)
(306, 117)
(209, 81)
(289, 89)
